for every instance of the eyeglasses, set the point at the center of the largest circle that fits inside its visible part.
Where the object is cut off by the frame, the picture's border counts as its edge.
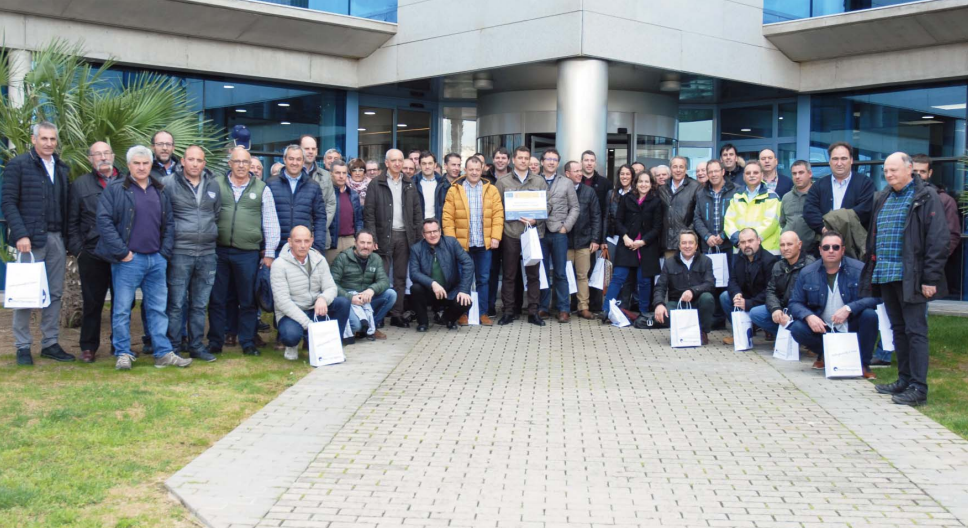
(164, 145)
(830, 247)
(359, 170)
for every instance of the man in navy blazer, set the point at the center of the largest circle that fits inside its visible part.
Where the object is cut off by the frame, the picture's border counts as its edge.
(841, 190)
(774, 181)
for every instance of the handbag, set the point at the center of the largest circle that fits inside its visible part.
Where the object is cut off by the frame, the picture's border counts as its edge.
(531, 247)
(325, 342)
(684, 326)
(841, 355)
(474, 314)
(26, 284)
(720, 267)
(785, 347)
(884, 327)
(602, 273)
(570, 274)
(615, 314)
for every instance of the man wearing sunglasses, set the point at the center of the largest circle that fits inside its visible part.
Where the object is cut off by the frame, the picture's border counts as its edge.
(826, 298)
(907, 247)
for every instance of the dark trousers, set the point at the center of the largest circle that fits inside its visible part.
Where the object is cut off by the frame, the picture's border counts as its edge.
(863, 324)
(95, 284)
(909, 323)
(494, 278)
(397, 256)
(511, 249)
(291, 332)
(705, 305)
(422, 297)
(240, 266)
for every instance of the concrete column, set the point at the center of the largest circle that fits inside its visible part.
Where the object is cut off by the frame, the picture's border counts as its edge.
(582, 109)
(19, 67)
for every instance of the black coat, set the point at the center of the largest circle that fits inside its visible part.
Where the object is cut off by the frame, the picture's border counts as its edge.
(601, 185)
(925, 246)
(751, 278)
(82, 233)
(588, 227)
(24, 200)
(378, 212)
(456, 265)
(637, 220)
(676, 279)
(820, 200)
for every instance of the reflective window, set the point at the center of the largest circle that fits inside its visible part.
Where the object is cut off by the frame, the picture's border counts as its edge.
(413, 130)
(695, 155)
(488, 144)
(786, 154)
(787, 120)
(695, 124)
(748, 122)
(784, 10)
(383, 10)
(375, 133)
(459, 130)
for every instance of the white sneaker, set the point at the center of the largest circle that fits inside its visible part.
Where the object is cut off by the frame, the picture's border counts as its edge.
(172, 359)
(124, 362)
(292, 353)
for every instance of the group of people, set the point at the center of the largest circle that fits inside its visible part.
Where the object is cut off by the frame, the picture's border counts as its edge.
(354, 243)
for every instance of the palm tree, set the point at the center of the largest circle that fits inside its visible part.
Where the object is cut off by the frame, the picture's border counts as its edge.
(88, 105)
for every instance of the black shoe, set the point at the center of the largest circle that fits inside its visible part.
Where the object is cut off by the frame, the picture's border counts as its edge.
(880, 363)
(183, 347)
(380, 324)
(439, 317)
(892, 388)
(452, 325)
(536, 319)
(399, 322)
(147, 349)
(251, 351)
(57, 353)
(203, 355)
(911, 396)
(212, 349)
(263, 327)
(364, 327)
(643, 322)
(24, 358)
(421, 328)
(506, 319)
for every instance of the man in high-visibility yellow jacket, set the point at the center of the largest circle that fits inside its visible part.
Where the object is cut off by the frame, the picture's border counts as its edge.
(754, 206)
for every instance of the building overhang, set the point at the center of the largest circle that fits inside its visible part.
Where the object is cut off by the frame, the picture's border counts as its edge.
(237, 21)
(893, 28)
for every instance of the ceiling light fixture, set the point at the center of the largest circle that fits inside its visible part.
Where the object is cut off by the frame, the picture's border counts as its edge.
(746, 130)
(228, 86)
(241, 110)
(927, 117)
(361, 130)
(284, 105)
(671, 82)
(483, 81)
(402, 125)
(285, 123)
(781, 118)
(369, 112)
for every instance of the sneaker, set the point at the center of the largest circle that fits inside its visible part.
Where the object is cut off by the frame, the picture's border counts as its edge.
(911, 396)
(203, 355)
(880, 363)
(897, 387)
(56, 353)
(24, 358)
(251, 351)
(172, 360)
(292, 353)
(486, 321)
(263, 327)
(123, 362)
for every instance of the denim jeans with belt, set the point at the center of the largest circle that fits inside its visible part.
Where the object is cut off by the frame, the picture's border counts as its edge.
(146, 271)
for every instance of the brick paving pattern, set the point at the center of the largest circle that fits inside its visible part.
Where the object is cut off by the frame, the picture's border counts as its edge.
(583, 425)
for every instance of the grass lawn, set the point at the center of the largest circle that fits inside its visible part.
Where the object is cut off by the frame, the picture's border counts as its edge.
(947, 374)
(85, 445)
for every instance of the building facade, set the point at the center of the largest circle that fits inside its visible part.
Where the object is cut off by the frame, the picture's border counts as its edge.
(631, 80)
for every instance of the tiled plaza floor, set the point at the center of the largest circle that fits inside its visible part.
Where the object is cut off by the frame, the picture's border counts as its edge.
(577, 425)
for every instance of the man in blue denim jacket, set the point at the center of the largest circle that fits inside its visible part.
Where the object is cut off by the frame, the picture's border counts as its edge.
(825, 298)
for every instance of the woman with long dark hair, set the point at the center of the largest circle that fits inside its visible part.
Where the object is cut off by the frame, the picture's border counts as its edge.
(638, 223)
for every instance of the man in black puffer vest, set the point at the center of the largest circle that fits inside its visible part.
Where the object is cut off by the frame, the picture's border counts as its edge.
(299, 200)
(34, 203)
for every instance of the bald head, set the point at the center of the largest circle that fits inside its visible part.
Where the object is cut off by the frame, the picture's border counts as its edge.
(790, 246)
(898, 170)
(300, 242)
(394, 162)
(300, 230)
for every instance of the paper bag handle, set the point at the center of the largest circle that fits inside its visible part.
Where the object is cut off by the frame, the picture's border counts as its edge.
(688, 306)
(31, 257)
(316, 320)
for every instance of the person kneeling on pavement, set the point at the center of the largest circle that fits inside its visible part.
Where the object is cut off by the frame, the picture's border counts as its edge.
(748, 278)
(359, 276)
(687, 277)
(303, 289)
(442, 274)
(770, 316)
(826, 298)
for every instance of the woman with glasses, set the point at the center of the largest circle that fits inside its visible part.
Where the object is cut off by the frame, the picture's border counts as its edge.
(359, 178)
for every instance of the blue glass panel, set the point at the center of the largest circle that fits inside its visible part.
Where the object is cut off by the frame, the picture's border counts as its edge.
(383, 10)
(784, 10)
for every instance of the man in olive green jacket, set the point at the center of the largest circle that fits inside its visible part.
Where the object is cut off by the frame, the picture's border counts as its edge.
(359, 276)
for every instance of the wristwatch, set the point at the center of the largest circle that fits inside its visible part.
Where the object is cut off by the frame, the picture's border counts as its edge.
(847, 306)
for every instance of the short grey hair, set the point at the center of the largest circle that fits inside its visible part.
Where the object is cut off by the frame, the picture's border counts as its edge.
(751, 230)
(139, 151)
(339, 163)
(804, 163)
(286, 150)
(333, 151)
(35, 130)
(662, 167)
(907, 159)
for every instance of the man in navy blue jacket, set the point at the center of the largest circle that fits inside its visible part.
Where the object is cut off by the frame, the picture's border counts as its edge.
(826, 298)
(772, 178)
(299, 201)
(442, 274)
(841, 190)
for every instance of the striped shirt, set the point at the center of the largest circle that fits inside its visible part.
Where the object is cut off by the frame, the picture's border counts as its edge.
(890, 235)
(475, 200)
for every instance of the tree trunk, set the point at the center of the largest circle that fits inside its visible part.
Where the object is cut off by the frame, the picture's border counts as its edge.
(72, 305)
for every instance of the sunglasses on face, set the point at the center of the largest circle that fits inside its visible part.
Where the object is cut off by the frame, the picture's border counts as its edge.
(830, 247)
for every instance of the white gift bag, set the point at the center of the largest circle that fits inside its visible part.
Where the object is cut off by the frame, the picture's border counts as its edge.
(409, 282)
(531, 247)
(597, 279)
(26, 285)
(572, 281)
(742, 330)
(684, 327)
(884, 326)
(474, 314)
(720, 268)
(615, 314)
(542, 277)
(325, 343)
(785, 347)
(841, 355)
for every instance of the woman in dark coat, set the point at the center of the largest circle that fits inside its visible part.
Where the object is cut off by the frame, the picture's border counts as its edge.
(638, 223)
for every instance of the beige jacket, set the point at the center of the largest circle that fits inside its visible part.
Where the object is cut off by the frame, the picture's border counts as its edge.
(295, 290)
(510, 182)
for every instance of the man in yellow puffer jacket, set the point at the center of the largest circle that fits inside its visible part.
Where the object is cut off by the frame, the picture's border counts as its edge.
(756, 207)
(474, 215)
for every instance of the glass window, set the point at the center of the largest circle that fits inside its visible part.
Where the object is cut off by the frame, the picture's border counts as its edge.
(488, 144)
(696, 124)
(695, 155)
(413, 130)
(786, 155)
(787, 120)
(375, 132)
(459, 130)
(748, 122)
(383, 10)
(785, 10)
(654, 150)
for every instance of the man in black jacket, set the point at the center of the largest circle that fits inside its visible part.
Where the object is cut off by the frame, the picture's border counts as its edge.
(748, 277)
(841, 190)
(771, 315)
(687, 277)
(34, 203)
(601, 185)
(584, 237)
(907, 247)
(163, 149)
(442, 274)
(82, 237)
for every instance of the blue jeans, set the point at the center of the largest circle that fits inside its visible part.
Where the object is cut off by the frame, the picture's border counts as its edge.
(554, 247)
(619, 275)
(380, 304)
(191, 279)
(291, 332)
(148, 273)
(762, 318)
(239, 266)
(864, 324)
(482, 275)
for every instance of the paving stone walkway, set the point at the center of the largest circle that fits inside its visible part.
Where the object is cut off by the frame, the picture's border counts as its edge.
(578, 425)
